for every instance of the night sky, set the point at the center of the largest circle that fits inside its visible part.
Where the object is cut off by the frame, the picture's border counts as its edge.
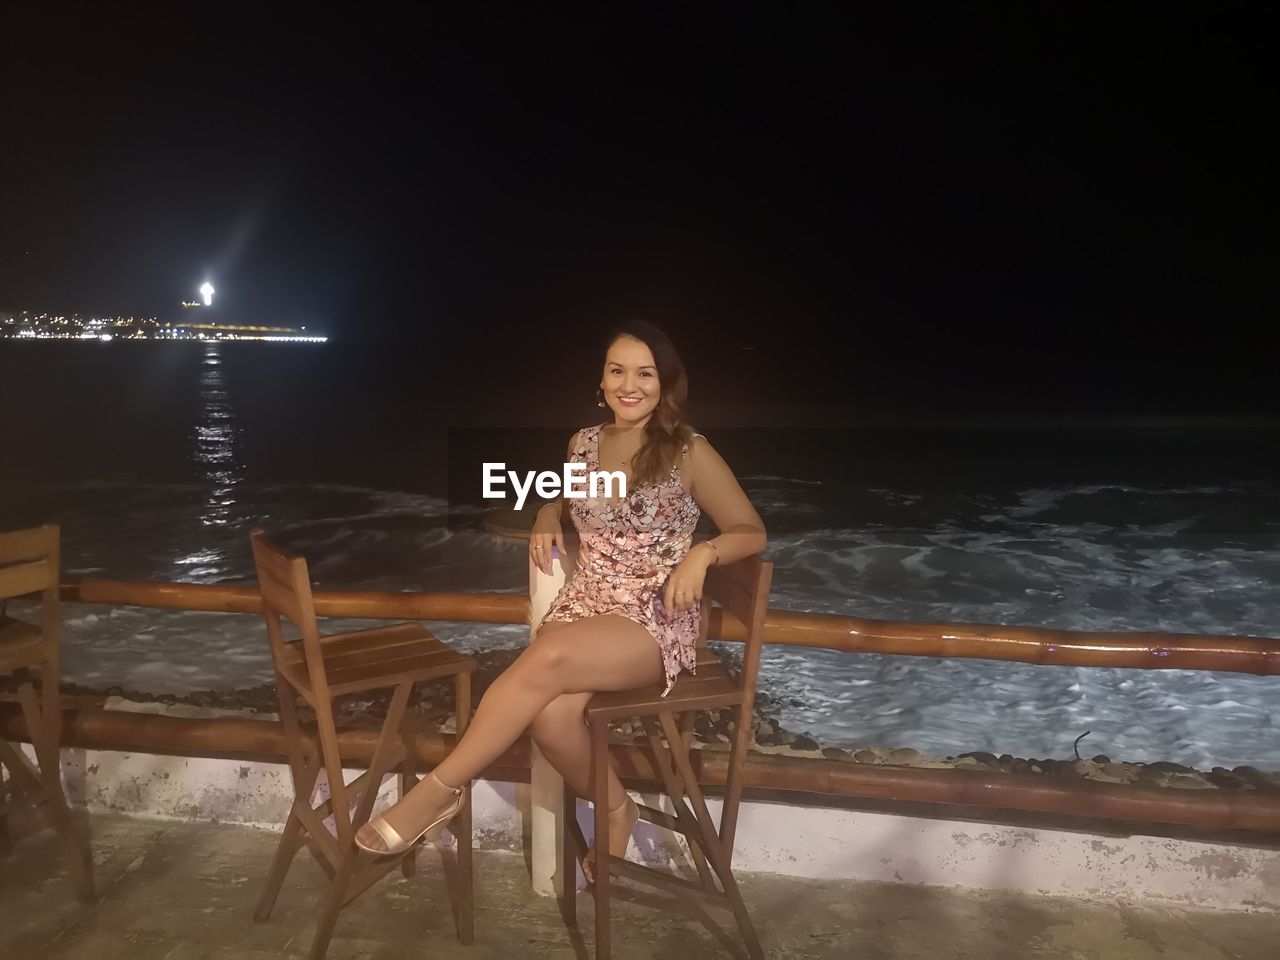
(1055, 199)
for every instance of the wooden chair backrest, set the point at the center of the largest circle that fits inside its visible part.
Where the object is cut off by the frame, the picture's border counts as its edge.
(285, 586)
(29, 563)
(742, 590)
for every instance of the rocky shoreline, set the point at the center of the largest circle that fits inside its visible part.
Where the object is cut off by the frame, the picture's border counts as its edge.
(435, 703)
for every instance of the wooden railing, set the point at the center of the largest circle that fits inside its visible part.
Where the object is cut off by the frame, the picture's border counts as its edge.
(1252, 810)
(1145, 651)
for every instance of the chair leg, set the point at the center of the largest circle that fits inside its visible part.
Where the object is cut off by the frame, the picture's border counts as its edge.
(408, 780)
(740, 913)
(600, 800)
(24, 778)
(304, 775)
(340, 793)
(290, 843)
(688, 824)
(462, 824)
(717, 856)
(6, 800)
(570, 845)
(332, 904)
(44, 730)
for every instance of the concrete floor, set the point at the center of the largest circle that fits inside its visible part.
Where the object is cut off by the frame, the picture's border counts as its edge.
(184, 891)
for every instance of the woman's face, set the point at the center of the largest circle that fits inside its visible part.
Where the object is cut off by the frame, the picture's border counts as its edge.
(630, 381)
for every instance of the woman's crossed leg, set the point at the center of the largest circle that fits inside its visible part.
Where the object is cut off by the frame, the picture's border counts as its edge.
(565, 664)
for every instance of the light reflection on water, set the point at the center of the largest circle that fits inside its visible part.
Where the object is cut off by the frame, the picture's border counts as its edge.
(215, 439)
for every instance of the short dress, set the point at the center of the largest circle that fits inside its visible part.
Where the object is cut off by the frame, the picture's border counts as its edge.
(628, 549)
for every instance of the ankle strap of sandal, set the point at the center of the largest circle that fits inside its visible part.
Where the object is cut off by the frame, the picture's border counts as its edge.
(456, 791)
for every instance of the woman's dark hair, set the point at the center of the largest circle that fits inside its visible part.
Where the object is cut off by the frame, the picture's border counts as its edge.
(666, 433)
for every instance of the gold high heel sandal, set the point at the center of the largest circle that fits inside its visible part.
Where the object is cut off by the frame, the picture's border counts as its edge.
(588, 861)
(396, 843)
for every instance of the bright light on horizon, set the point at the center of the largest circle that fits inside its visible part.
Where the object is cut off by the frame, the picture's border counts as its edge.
(206, 291)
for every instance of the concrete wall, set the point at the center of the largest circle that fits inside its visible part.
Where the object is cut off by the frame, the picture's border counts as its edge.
(800, 841)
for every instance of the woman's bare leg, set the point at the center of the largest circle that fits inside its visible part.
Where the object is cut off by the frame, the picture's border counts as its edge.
(596, 654)
(561, 734)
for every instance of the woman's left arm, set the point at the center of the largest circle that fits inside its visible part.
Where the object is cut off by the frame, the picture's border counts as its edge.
(741, 531)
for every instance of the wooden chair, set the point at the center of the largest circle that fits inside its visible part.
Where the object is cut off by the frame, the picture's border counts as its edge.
(318, 669)
(741, 589)
(29, 563)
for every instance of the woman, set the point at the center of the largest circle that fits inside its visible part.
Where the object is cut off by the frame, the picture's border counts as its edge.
(638, 580)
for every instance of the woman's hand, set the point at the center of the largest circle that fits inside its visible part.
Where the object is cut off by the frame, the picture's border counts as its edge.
(546, 533)
(684, 586)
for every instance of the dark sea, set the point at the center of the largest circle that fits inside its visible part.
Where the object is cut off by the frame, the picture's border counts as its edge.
(158, 459)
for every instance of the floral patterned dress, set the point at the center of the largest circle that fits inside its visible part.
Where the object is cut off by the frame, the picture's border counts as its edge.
(628, 549)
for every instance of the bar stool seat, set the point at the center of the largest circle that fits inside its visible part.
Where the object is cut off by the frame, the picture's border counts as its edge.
(378, 657)
(711, 688)
(16, 637)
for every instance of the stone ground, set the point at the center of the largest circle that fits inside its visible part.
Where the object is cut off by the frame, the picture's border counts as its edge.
(183, 891)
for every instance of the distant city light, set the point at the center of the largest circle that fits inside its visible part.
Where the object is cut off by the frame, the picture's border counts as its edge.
(45, 326)
(206, 291)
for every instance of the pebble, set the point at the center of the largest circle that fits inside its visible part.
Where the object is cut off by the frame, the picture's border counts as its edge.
(866, 756)
(904, 755)
(804, 742)
(834, 753)
(1102, 759)
(980, 756)
(764, 728)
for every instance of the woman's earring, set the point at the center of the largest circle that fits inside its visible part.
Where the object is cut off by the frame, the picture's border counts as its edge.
(600, 398)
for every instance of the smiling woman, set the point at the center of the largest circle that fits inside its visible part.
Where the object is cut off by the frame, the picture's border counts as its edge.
(643, 381)
(629, 615)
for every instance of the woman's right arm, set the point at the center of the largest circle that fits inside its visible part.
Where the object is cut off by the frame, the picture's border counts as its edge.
(547, 531)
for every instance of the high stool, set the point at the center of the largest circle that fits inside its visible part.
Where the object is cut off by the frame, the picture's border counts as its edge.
(29, 563)
(318, 669)
(742, 590)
